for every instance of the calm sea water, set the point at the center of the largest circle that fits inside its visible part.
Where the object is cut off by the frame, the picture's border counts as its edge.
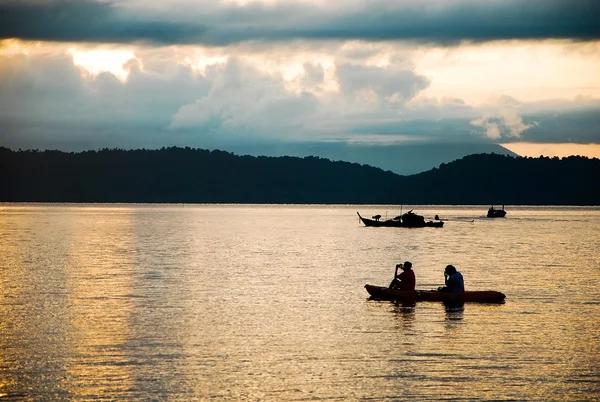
(213, 302)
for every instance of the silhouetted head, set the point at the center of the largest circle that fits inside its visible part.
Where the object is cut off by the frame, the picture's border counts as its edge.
(450, 270)
(407, 265)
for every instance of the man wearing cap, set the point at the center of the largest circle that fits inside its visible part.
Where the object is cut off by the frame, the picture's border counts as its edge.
(406, 279)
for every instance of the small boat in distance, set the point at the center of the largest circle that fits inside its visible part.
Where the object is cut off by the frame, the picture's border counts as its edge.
(407, 220)
(496, 213)
(477, 296)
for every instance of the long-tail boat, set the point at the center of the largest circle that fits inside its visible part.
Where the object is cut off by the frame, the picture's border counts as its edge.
(407, 220)
(496, 213)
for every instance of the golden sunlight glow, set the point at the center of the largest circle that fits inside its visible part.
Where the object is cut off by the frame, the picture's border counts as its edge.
(102, 60)
(12, 47)
(560, 150)
(101, 313)
(527, 71)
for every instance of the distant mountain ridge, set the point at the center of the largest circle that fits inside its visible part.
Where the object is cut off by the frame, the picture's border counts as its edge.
(403, 159)
(186, 175)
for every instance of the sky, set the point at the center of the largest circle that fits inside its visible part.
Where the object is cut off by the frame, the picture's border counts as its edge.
(91, 74)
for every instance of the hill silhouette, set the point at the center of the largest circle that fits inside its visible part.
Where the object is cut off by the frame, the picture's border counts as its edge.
(491, 178)
(186, 175)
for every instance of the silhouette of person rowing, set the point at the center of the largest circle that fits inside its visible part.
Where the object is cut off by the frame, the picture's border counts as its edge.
(406, 279)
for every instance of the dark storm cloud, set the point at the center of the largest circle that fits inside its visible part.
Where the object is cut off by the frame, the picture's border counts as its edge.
(573, 126)
(442, 22)
(86, 21)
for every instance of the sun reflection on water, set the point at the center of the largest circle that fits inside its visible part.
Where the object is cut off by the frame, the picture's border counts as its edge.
(267, 303)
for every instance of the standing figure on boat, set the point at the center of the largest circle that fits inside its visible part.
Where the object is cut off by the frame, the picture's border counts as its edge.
(453, 279)
(406, 279)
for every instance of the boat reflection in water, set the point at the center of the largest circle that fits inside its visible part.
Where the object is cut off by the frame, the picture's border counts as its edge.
(454, 310)
(405, 308)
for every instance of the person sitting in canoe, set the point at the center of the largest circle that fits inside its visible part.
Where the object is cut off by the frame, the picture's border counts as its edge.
(406, 279)
(453, 279)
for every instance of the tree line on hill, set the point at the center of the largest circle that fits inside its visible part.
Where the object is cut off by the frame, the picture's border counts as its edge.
(187, 175)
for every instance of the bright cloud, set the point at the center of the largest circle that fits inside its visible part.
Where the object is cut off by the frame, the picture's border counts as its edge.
(101, 60)
(529, 71)
(506, 123)
(345, 91)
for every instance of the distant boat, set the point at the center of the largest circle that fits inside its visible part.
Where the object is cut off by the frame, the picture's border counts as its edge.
(407, 220)
(496, 213)
(477, 296)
